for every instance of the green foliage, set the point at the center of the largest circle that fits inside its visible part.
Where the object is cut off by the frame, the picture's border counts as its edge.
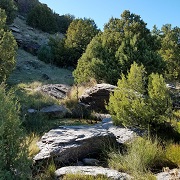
(10, 8)
(67, 51)
(132, 104)
(13, 151)
(159, 99)
(63, 22)
(44, 54)
(42, 17)
(8, 48)
(112, 52)
(25, 6)
(142, 156)
(78, 36)
(169, 51)
(172, 153)
(59, 52)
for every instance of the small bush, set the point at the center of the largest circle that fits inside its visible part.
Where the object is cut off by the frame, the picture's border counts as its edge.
(44, 54)
(14, 163)
(173, 153)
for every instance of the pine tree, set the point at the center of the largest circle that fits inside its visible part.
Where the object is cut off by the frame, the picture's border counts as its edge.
(133, 104)
(127, 105)
(10, 8)
(112, 52)
(159, 99)
(8, 48)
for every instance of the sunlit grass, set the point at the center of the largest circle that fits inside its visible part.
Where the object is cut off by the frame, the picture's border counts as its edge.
(141, 156)
(173, 153)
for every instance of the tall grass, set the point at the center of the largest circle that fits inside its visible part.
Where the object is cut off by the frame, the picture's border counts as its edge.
(173, 153)
(141, 156)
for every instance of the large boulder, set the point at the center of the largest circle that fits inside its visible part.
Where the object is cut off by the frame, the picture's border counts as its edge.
(71, 143)
(93, 171)
(97, 96)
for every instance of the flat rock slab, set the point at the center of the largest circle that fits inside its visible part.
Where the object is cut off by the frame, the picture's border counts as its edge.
(122, 134)
(58, 91)
(70, 143)
(93, 171)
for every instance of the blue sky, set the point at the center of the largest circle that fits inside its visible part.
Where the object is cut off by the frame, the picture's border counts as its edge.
(153, 12)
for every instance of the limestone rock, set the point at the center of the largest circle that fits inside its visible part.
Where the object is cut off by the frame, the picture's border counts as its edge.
(122, 134)
(93, 171)
(96, 96)
(58, 91)
(70, 143)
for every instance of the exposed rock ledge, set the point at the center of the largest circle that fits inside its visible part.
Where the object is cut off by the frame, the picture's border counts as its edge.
(93, 171)
(70, 143)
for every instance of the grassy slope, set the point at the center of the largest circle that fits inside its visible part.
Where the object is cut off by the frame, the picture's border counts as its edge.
(29, 69)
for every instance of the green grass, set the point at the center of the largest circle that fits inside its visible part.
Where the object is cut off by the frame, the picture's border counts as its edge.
(141, 157)
(30, 97)
(173, 153)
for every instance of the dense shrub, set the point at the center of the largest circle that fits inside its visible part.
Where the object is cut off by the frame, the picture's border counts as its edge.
(45, 54)
(42, 17)
(10, 8)
(138, 103)
(112, 52)
(8, 48)
(14, 163)
(25, 6)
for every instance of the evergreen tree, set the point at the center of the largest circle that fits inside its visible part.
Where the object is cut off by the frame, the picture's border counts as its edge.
(25, 6)
(8, 48)
(123, 41)
(170, 51)
(42, 17)
(127, 105)
(10, 8)
(132, 104)
(159, 99)
(14, 163)
(79, 34)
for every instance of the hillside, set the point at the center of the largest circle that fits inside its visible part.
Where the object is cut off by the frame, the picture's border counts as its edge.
(29, 69)
(29, 38)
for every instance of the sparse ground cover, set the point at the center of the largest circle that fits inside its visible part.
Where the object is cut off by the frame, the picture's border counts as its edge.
(29, 69)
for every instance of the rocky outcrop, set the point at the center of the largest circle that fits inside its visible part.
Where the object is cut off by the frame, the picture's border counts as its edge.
(71, 143)
(93, 171)
(28, 38)
(58, 91)
(97, 96)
